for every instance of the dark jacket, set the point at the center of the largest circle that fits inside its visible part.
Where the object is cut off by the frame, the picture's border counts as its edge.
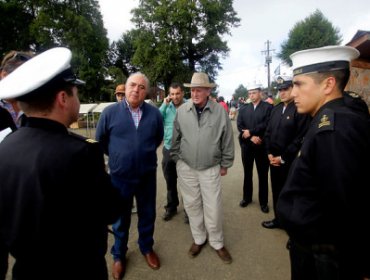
(6, 120)
(255, 120)
(56, 201)
(285, 131)
(326, 196)
(132, 152)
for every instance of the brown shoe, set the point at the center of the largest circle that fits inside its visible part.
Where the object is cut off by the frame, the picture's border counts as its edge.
(152, 260)
(118, 269)
(224, 255)
(195, 249)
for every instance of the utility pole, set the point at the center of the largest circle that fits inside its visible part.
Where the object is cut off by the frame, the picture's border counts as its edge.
(268, 60)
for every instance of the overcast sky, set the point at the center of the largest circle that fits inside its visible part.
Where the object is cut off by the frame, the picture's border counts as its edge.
(261, 21)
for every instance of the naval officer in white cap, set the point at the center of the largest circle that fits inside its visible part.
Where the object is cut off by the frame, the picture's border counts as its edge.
(324, 204)
(283, 137)
(56, 199)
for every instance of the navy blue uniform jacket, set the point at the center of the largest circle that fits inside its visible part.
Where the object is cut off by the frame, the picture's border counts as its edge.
(56, 201)
(325, 199)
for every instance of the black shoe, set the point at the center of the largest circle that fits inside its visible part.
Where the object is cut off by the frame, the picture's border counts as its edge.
(243, 203)
(168, 215)
(265, 208)
(270, 224)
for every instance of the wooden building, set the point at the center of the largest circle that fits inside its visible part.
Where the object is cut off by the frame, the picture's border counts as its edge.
(360, 68)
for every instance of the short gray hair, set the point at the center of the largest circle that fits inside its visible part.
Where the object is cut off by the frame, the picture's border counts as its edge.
(142, 75)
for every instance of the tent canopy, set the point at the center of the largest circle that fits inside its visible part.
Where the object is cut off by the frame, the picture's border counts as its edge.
(101, 107)
(87, 108)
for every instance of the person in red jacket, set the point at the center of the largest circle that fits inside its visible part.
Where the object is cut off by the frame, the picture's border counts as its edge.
(221, 101)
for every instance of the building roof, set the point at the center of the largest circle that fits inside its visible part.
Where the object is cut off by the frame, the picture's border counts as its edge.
(361, 41)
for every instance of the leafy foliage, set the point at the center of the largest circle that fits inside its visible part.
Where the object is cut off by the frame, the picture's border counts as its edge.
(313, 32)
(174, 38)
(171, 40)
(14, 31)
(241, 91)
(41, 24)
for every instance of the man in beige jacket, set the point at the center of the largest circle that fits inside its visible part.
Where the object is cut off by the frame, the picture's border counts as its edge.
(203, 148)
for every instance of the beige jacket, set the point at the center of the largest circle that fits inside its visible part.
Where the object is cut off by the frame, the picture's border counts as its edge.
(205, 143)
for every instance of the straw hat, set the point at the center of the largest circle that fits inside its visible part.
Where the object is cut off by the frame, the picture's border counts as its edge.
(200, 79)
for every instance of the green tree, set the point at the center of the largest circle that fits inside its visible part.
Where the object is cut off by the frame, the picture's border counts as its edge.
(121, 53)
(14, 31)
(174, 38)
(79, 26)
(313, 32)
(241, 91)
(70, 23)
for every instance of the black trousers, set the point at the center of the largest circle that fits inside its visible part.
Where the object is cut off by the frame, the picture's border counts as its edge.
(170, 175)
(322, 262)
(3, 260)
(278, 175)
(255, 153)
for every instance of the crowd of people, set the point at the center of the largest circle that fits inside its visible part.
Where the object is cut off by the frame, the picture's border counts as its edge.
(314, 144)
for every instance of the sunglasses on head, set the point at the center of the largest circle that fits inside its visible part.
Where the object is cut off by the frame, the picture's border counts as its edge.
(15, 57)
(18, 56)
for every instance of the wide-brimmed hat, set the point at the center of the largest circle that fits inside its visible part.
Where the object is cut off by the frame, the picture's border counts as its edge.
(50, 66)
(325, 59)
(200, 79)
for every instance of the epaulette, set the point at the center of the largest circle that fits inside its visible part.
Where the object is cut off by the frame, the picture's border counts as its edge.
(325, 120)
(83, 138)
(353, 94)
(90, 140)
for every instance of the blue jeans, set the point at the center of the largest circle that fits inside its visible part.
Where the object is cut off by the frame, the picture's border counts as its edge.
(145, 192)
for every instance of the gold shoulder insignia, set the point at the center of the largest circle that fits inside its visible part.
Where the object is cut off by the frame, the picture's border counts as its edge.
(353, 94)
(324, 121)
(91, 140)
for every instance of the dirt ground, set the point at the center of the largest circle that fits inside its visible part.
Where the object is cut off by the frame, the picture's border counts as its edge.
(258, 253)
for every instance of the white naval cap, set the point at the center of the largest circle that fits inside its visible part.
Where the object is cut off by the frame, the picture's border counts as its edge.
(284, 80)
(254, 87)
(324, 59)
(51, 65)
